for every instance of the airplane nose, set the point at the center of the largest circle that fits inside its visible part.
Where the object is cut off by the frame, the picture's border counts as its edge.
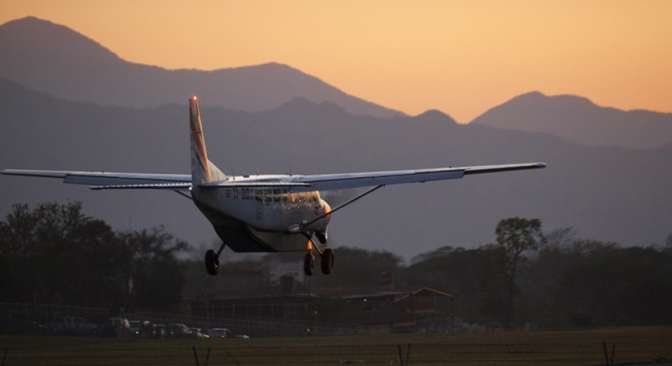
(326, 208)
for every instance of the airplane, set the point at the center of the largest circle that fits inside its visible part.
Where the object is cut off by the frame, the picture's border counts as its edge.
(262, 213)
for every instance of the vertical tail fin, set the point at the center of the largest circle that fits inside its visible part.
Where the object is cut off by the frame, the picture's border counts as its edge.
(202, 170)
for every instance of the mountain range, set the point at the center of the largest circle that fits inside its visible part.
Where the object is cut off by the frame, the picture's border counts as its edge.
(580, 120)
(56, 59)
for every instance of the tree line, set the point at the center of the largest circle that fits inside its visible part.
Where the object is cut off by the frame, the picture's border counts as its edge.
(54, 253)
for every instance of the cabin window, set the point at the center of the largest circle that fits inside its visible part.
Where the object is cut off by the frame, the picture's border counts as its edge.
(258, 195)
(276, 195)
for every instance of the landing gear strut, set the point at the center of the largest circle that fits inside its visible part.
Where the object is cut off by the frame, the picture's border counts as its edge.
(327, 261)
(308, 264)
(212, 260)
(321, 236)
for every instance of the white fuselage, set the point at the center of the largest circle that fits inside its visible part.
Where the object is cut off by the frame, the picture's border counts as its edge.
(267, 213)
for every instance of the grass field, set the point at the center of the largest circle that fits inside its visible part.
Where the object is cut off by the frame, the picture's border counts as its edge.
(494, 348)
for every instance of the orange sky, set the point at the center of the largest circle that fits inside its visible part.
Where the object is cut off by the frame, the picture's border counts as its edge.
(458, 56)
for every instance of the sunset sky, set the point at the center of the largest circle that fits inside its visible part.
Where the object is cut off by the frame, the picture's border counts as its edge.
(458, 56)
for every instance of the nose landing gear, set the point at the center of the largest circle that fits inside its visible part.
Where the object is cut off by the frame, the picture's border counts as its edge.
(212, 260)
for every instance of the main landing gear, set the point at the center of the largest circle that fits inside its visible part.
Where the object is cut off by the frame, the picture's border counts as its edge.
(326, 259)
(212, 260)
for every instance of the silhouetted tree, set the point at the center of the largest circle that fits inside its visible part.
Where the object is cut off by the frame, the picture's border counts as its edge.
(515, 236)
(155, 276)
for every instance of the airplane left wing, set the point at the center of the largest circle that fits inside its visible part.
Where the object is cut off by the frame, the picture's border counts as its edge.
(367, 179)
(116, 181)
(108, 180)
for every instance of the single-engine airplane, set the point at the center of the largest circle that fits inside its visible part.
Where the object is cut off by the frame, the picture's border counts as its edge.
(262, 213)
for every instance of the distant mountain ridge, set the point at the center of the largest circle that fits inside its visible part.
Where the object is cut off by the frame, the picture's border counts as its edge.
(53, 58)
(607, 193)
(579, 119)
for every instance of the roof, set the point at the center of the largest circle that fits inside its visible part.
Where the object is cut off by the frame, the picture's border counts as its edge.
(429, 290)
(399, 295)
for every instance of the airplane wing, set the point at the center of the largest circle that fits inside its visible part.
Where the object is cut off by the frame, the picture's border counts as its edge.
(366, 179)
(108, 180)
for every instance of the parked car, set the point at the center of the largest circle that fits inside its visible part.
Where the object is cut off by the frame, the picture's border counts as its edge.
(197, 333)
(159, 330)
(178, 330)
(219, 332)
(72, 325)
(135, 327)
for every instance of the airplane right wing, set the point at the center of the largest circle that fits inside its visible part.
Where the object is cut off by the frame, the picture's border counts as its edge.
(367, 179)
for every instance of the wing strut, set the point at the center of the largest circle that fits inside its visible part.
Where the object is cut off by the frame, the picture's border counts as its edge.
(342, 205)
(187, 196)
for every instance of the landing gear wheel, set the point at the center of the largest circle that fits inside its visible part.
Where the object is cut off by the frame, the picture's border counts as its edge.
(327, 261)
(212, 262)
(308, 264)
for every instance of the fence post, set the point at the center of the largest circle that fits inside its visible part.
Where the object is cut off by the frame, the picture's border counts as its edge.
(401, 358)
(408, 354)
(193, 348)
(613, 352)
(207, 358)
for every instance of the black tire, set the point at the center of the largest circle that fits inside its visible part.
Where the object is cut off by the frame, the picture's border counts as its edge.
(211, 262)
(308, 264)
(327, 261)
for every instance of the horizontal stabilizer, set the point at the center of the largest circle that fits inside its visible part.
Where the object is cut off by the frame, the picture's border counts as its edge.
(234, 184)
(170, 186)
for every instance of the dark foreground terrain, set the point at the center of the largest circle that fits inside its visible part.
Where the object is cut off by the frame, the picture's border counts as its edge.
(645, 345)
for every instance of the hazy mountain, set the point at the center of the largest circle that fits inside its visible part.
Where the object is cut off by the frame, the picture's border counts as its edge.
(580, 120)
(53, 58)
(607, 193)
